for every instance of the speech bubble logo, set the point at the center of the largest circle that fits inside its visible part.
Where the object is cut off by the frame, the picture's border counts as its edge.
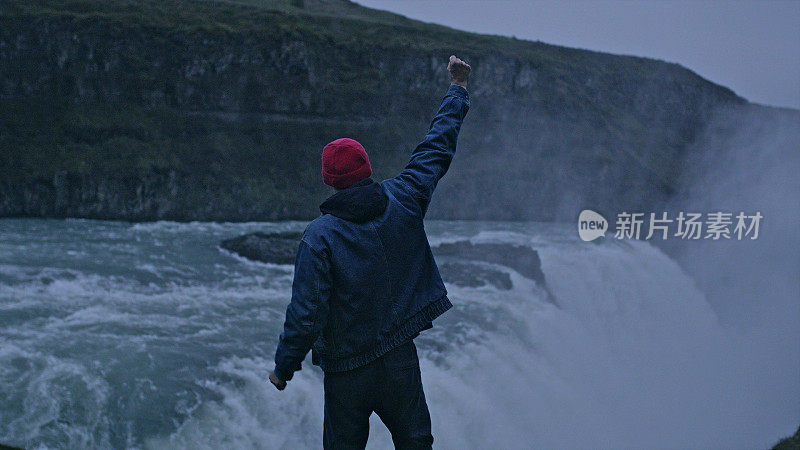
(591, 225)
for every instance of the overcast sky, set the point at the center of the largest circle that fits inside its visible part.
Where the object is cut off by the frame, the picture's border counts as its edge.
(752, 47)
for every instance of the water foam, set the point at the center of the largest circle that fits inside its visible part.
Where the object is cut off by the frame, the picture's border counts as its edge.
(631, 356)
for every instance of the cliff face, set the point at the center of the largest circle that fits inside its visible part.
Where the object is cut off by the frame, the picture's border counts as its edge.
(218, 111)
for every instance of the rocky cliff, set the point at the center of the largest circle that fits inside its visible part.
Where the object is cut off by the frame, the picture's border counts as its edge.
(202, 110)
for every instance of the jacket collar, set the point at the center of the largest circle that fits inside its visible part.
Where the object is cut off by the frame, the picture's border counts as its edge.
(358, 203)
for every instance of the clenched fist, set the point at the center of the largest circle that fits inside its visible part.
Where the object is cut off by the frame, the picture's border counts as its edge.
(458, 70)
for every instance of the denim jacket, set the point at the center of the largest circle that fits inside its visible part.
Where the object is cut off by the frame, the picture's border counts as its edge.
(365, 280)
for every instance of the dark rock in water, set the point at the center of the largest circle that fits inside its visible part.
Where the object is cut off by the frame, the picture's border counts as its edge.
(524, 260)
(461, 263)
(276, 248)
(520, 258)
(474, 275)
(8, 447)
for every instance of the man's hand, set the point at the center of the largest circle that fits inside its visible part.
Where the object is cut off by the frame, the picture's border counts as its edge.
(280, 384)
(459, 71)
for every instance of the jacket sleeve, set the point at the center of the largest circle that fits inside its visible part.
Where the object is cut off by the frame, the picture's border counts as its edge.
(307, 312)
(431, 159)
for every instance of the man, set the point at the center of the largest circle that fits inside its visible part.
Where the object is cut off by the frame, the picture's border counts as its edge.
(365, 285)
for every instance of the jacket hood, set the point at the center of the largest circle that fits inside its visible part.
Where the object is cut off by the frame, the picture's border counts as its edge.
(358, 203)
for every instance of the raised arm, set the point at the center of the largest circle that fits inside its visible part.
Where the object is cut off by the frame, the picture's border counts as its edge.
(431, 158)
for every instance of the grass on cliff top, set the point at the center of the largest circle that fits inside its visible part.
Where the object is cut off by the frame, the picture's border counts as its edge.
(789, 443)
(339, 21)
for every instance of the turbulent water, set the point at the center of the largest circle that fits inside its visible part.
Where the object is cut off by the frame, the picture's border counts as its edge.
(149, 336)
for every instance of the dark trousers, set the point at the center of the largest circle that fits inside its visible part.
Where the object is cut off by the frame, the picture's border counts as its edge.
(391, 386)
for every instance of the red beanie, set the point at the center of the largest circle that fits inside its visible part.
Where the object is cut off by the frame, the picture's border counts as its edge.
(344, 163)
